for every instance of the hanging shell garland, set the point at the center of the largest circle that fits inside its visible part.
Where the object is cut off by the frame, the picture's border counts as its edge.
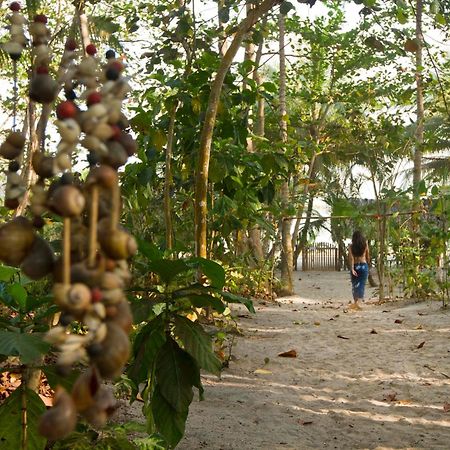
(91, 272)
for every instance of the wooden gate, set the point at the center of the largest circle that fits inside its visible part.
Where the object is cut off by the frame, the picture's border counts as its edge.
(321, 256)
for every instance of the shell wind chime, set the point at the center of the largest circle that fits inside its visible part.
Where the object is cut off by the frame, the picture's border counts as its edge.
(91, 272)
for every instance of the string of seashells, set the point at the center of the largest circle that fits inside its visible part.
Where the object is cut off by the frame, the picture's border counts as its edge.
(91, 272)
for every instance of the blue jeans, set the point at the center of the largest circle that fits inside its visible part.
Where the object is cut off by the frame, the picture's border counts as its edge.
(359, 281)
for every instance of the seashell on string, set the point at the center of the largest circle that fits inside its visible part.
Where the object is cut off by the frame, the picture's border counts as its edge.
(16, 239)
(40, 260)
(60, 420)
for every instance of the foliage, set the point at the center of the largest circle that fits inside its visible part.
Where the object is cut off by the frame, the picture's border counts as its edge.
(170, 345)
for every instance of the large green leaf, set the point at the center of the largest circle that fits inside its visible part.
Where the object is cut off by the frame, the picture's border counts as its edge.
(169, 422)
(27, 346)
(167, 269)
(7, 272)
(205, 300)
(233, 298)
(19, 294)
(175, 371)
(198, 344)
(149, 250)
(147, 344)
(210, 269)
(11, 421)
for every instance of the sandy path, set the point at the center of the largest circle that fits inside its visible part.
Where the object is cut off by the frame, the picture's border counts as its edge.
(371, 391)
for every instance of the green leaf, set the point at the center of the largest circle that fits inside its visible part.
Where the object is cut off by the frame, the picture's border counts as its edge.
(440, 19)
(11, 421)
(422, 188)
(198, 344)
(167, 269)
(146, 346)
(224, 15)
(286, 7)
(19, 294)
(205, 300)
(153, 442)
(402, 16)
(6, 273)
(233, 298)
(168, 421)
(211, 269)
(27, 346)
(149, 250)
(175, 375)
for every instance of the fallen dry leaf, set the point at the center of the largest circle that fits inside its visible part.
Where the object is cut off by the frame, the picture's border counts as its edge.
(262, 371)
(446, 407)
(421, 344)
(316, 324)
(390, 397)
(398, 321)
(288, 354)
(305, 422)
(373, 332)
(342, 337)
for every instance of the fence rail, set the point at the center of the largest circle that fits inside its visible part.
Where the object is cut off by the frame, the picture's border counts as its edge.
(321, 256)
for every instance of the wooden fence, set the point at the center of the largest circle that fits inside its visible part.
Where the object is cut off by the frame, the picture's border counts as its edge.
(321, 256)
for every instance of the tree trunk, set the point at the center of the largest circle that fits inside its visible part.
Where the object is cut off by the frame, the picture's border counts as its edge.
(296, 232)
(287, 284)
(168, 180)
(201, 182)
(417, 171)
(254, 233)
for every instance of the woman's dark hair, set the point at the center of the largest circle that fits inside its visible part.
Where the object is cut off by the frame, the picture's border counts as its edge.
(358, 244)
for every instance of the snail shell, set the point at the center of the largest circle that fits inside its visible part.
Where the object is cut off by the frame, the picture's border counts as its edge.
(78, 298)
(103, 175)
(105, 404)
(60, 420)
(103, 131)
(74, 298)
(67, 201)
(112, 281)
(43, 165)
(117, 244)
(116, 156)
(16, 138)
(115, 352)
(123, 317)
(40, 260)
(16, 240)
(113, 296)
(13, 145)
(85, 388)
(43, 88)
(9, 151)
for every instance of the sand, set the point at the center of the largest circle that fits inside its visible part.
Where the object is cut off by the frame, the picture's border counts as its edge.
(370, 388)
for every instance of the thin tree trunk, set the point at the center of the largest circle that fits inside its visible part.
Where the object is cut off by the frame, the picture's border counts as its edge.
(417, 171)
(296, 232)
(201, 182)
(287, 284)
(254, 233)
(168, 180)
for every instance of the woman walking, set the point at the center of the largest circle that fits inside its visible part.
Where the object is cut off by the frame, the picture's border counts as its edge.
(358, 254)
